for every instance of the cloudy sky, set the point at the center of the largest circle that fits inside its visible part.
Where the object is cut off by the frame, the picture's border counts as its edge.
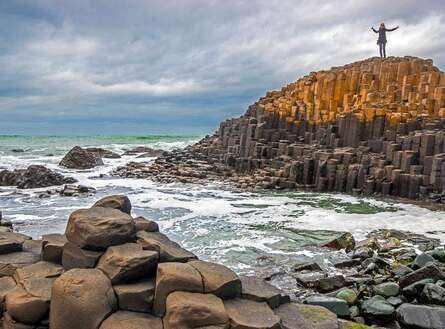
(182, 66)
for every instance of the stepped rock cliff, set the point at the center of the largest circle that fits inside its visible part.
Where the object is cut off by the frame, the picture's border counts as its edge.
(374, 126)
(366, 128)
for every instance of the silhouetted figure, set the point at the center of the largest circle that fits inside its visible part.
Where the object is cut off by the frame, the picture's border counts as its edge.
(381, 41)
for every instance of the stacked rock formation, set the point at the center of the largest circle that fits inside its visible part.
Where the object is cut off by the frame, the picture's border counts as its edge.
(374, 126)
(371, 127)
(112, 271)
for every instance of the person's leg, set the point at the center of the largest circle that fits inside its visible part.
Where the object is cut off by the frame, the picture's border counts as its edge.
(381, 49)
(384, 50)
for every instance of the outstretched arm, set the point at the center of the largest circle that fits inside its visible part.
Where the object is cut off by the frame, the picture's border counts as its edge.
(390, 30)
(372, 28)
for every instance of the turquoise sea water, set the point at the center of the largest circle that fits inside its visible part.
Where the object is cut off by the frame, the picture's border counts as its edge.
(232, 227)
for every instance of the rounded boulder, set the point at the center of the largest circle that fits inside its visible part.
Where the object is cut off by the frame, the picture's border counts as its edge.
(191, 310)
(119, 202)
(98, 228)
(81, 298)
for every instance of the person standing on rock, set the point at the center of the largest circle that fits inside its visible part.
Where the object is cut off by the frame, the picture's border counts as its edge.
(381, 41)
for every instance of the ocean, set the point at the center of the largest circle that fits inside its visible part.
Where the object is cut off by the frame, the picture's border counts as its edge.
(239, 229)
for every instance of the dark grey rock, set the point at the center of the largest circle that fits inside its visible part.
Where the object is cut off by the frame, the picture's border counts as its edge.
(79, 158)
(300, 316)
(335, 305)
(378, 309)
(34, 176)
(421, 316)
(428, 271)
(432, 294)
(387, 289)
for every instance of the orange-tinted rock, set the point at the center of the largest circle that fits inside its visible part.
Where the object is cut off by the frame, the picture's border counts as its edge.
(187, 310)
(98, 228)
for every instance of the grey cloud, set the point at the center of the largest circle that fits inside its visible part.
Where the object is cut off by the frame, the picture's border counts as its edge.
(89, 60)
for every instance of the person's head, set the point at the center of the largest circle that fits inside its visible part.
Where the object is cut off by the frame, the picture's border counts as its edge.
(382, 25)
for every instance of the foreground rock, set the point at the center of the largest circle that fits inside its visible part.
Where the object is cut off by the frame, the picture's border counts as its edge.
(297, 316)
(421, 316)
(249, 314)
(79, 158)
(172, 277)
(131, 320)
(97, 228)
(128, 262)
(11, 242)
(33, 177)
(120, 202)
(218, 279)
(192, 310)
(136, 296)
(169, 251)
(81, 298)
(101, 275)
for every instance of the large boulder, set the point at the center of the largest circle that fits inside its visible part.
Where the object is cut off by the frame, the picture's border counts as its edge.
(120, 202)
(172, 277)
(11, 242)
(432, 294)
(143, 224)
(387, 289)
(98, 228)
(52, 247)
(421, 316)
(245, 313)
(34, 176)
(29, 255)
(81, 298)
(260, 290)
(218, 279)
(78, 158)
(169, 251)
(431, 271)
(75, 257)
(301, 316)
(37, 280)
(136, 296)
(187, 310)
(40, 269)
(128, 262)
(25, 307)
(131, 320)
(335, 305)
(378, 309)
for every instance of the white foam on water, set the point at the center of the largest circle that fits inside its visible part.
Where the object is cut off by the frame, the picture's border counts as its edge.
(210, 219)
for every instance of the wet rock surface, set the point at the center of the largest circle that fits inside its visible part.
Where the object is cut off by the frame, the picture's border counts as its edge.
(146, 280)
(348, 129)
(79, 158)
(34, 176)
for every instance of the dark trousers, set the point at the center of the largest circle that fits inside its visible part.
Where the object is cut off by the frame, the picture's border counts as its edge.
(382, 47)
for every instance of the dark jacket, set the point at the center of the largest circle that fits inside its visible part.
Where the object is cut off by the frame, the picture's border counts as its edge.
(382, 34)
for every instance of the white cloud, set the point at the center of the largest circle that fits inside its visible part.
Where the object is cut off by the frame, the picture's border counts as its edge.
(82, 55)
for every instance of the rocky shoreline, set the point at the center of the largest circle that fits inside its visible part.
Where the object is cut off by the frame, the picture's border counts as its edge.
(112, 270)
(370, 128)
